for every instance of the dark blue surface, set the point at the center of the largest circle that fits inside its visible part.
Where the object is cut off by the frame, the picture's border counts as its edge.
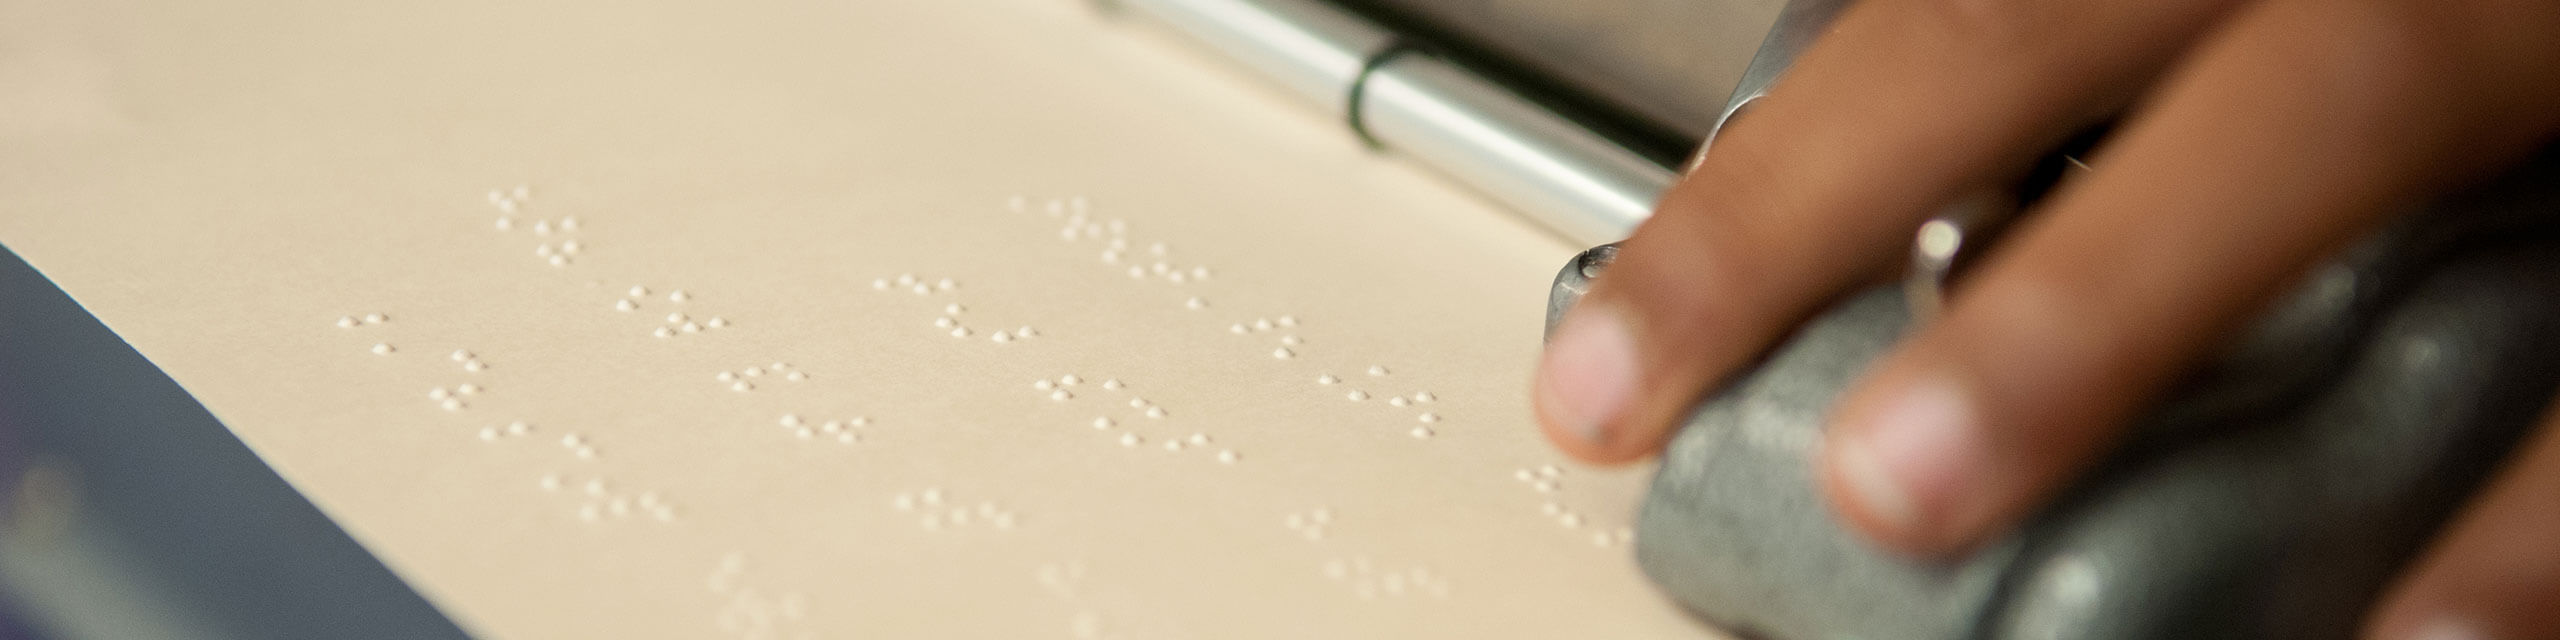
(183, 499)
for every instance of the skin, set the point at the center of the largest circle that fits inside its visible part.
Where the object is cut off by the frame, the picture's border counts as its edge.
(2258, 137)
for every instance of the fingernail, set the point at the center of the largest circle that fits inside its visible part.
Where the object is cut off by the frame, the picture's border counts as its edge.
(1589, 374)
(1906, 460)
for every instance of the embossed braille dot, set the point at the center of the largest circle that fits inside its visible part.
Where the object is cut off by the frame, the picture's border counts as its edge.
(1138, 403)
(832, 426)
(597, 487)
(663, 332)
(848, 438)
(1061, 395)
(1176, 277)
(505, 223)
(1283, 353)
(725, 376)
(1551, 509)
(752, 372)
(1131, 440)
(1357, 395)
(376, 318)
(568, 223)
(346, 322)
(717, 322)
(543, 250)
(1237, 329)
(953, 308)
(1070, 380)
(474, 366)
(1137, 272)
(1025, 331)
(625, 305)
(959, 332)
(1228, 456)
(880, 284)
(946, 284)
(1424, 396)
(467, 389)
(944, 322)
(1043, 384)
(549, 482)
(1327, 379)
(1377, 370)
(1001, 336)
(1570, 520)
(796, 376)
(803, 433)
(742, 386)
(1113, 384)
(383, 349)
(438, 393)
(571, 247)
(1288, 321)
(860, 421)
(1428, 417)
(1173, 445)
(1421, 433)
(636, 291)
(690, 328)
(1199, 439)
(678, 296)
(1397, 401)
(1262, 324)
(903, 502)
(1155, 412)
(488, 434)
(518, 428)
(1544, 486)
(1195, 304)
(1523, 475)
(1101, 423)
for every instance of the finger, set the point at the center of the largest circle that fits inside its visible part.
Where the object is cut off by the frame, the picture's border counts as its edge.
(1899, 108)
(2495, 573)
(2299, 125)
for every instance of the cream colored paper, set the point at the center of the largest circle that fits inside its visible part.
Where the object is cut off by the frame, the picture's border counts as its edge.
(226, 184)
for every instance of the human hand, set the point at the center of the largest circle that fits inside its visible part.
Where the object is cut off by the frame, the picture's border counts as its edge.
(2261, 136)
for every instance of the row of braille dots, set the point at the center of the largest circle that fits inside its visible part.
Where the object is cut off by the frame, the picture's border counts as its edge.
(1079, 225)
(1309, 524)
(454, 398)
(370, 319)
(743, 380)
(1061, 390)
(516, 429)
(747, 613)
(1289, 342)
(950, 321)
(677, 323)
(1427, 418)
(1547, 480)
(599, 501)
(934, 513)
(1369, 582)
(509, 202)
(846, 431)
